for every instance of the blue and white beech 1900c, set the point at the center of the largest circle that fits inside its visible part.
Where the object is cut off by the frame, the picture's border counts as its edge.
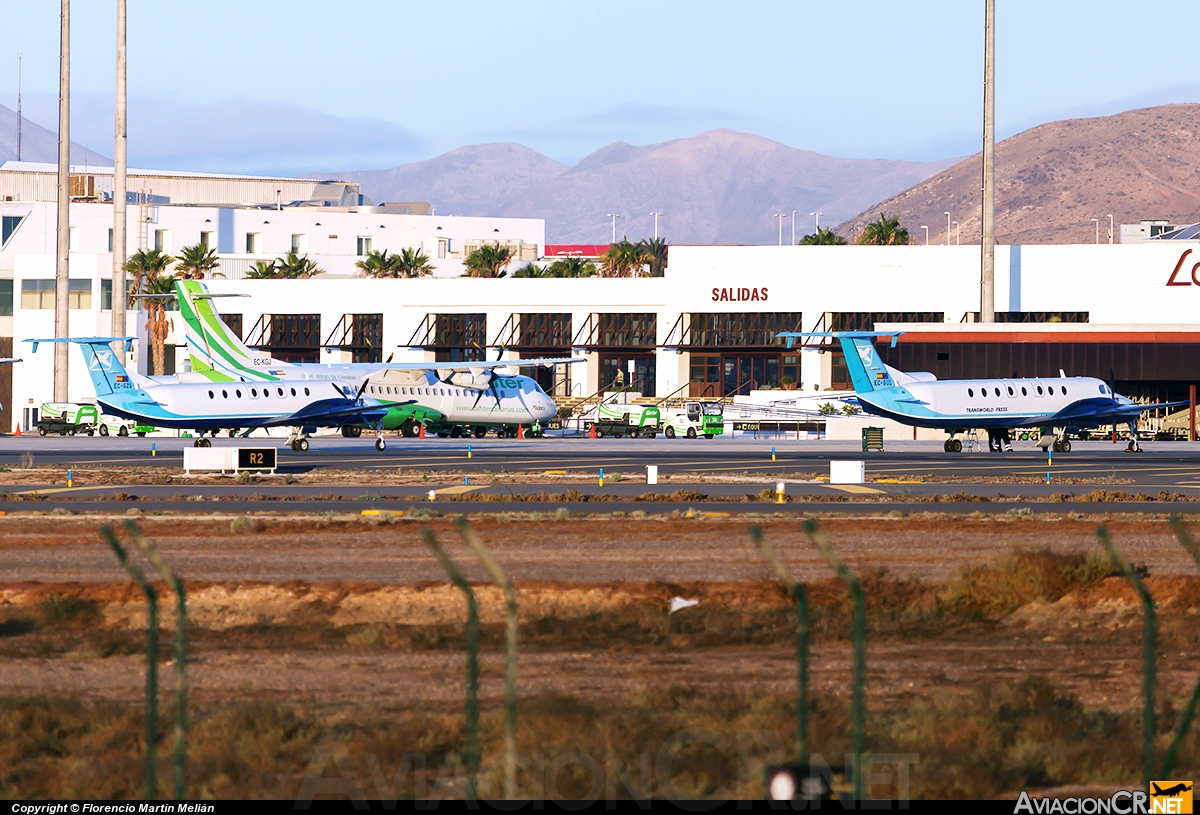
(301, 402)
(1055, 406)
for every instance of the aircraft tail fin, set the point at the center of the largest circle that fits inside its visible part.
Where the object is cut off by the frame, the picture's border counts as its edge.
(216, 351)
(867, 371)
(104, 366)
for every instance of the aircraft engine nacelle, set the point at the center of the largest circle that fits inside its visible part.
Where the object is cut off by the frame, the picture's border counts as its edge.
(471, 380)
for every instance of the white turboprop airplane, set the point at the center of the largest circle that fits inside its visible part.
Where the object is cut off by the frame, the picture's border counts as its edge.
(297, 403)
(1056, 406)
(443, 397)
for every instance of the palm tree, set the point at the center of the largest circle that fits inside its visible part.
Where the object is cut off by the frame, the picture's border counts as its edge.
(158, 326)
(489, 260)
(414, 263)
(197, 261)
(625, 259)
(823, 237)
(656, 250)
(572, 267)
(145, 266)
(884, 232)
(294, 267)
(531, 269)
(263, 270)
(378, 264)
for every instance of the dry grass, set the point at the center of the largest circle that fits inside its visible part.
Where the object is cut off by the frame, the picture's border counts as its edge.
(996, 588)
(994, 740)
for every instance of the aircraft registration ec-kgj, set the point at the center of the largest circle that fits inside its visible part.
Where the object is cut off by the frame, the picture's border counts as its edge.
(1056, 406)
(302, 403)
(449, 399)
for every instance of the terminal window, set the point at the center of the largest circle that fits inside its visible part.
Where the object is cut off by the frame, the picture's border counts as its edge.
(727, 329)
(364, 246)
(6, 298)
(546, 330)
(253, 243)
(633, 330)
(37, 294)
(866, 320)
(79, 294)
(106, 294)
(8, 225)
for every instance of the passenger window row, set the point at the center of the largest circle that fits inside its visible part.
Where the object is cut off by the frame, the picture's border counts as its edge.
(237, 393)
(1049, 389)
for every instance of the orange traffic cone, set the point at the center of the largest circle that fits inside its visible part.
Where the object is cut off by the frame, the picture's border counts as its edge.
(421, 432)
(18, 430)
(591, 431)
(520, 431)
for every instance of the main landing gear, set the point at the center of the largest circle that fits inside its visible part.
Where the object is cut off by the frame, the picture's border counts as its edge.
(952, 446)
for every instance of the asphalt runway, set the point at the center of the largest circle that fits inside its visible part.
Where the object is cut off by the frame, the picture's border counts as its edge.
(908, 476)
(1171, 466)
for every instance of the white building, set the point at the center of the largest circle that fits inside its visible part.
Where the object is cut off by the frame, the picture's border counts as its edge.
(707, 328)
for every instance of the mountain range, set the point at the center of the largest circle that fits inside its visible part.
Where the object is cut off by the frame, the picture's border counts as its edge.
(716, 187)
(38, 143)
(1052, 180)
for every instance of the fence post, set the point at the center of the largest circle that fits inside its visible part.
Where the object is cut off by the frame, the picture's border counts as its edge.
(1185, 720)
(800, 598)
(176, 585)
(151, 660)
(1149, 653)
(471, 754)
(510, 653)
(857, 705)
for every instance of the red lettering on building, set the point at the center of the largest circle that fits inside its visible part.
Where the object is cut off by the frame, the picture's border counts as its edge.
(1173, 282)
(738, 295)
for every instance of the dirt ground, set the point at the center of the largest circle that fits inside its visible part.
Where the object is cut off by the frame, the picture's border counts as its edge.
(1015, 662)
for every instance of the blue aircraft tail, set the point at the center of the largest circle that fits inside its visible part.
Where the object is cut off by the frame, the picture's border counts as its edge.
(867, 371)
(108, 374)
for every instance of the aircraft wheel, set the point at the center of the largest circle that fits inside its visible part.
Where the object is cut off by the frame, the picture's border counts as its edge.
(409, 429)
(103, 430)
(669, 432)
(480, 432)
(956, 446)
(380, 444)
(444, 434)
(456, 432)
(302, 445)
(691, 432)
(351, 432)
(91, 432)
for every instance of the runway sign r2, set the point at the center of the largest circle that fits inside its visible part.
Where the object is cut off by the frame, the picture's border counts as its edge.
(256, 458)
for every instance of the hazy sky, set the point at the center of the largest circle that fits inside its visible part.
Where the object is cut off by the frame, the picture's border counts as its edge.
(305, 86)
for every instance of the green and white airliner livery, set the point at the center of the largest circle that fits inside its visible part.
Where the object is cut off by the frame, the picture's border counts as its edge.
(446, 398)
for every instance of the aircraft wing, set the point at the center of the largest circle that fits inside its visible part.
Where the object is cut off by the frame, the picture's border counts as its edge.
(475, 366)
(1102, 410)
(330, 411)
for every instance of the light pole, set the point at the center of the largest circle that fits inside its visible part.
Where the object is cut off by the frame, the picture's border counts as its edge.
(120, 183)
(656, 215)
(20, 57)
(793, 227)
(1096, 221)
(817, 223)
(926, 234)
(614, 225)
(987, 251)
(61, 327)
(780, 216)
(955, 234)
(1110, 229)
(947, 228)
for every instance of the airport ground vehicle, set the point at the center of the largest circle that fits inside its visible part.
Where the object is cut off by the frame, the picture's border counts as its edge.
(705, 419)
(617, 420)
(67, 419)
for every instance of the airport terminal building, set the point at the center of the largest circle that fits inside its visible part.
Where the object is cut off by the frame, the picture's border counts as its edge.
(706, 328)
